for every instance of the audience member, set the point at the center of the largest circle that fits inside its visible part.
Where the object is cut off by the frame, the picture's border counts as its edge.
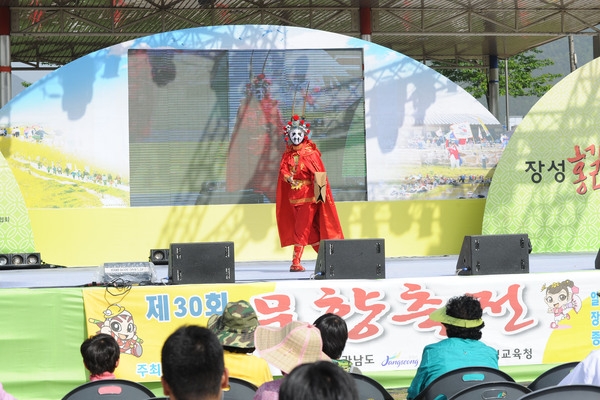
(320, 380)
(462, 319)
(192, 365)
(334, 334)
(235, 329)
(101, 354)
(285, 348)
(587, 372)
(4, 395)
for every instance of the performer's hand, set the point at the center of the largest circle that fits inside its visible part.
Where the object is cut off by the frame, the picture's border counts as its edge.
(295, 184)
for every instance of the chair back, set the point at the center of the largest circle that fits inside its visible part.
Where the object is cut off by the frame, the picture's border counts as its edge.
(369, 389)
(553, 376)
(459, 379)
(239, 389)
(505, 390)
(576, 392)
(110, 389)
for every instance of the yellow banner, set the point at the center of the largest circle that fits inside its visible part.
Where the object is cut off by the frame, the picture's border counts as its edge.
(143, 318)
(529, 318)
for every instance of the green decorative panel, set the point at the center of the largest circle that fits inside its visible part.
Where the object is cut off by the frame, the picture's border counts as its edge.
(546, 183)
(15, 228)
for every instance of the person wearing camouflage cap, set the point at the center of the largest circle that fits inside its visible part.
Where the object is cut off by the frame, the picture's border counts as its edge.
(235, 330)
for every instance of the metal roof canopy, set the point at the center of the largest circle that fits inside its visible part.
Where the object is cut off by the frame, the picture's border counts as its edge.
(55, 32)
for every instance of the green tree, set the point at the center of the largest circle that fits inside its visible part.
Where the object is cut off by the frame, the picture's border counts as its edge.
(524, 75)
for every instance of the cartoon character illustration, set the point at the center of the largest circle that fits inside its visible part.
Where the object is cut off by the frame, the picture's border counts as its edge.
(561, 297)
(118, 322)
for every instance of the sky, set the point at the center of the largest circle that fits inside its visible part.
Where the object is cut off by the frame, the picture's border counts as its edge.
(27, 76)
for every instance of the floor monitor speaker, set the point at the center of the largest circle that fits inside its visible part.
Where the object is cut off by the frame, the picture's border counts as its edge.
(20, 261)
(597, 261)
(210, 262)
(494, 254)
(159, 256)
(351, 259)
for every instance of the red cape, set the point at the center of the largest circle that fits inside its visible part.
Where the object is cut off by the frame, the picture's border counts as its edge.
(255, 147)
(326, 224)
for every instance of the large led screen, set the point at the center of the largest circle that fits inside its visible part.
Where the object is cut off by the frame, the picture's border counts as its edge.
(206, 126)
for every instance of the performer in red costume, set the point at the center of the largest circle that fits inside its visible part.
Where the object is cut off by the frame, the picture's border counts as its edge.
(255, 146)
(304, 216)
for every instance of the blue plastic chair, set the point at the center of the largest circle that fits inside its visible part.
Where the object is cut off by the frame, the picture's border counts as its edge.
(239, 389)
(459, 379)
(110, 389)
(505, 390)
(553, 376)
(369, 389)
(576, 392)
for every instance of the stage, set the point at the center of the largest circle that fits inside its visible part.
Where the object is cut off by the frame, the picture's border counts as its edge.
(266, 271)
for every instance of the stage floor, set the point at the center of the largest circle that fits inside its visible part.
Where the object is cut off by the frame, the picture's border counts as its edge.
(266, 271)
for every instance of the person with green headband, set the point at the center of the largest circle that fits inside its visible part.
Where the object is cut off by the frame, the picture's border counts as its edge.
(461, 318)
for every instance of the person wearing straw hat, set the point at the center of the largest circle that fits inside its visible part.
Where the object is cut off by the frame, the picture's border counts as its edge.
(285, 348)
(235, 329)
(461, 318)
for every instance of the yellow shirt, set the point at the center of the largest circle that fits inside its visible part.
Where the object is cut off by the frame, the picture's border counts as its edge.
(248, 367)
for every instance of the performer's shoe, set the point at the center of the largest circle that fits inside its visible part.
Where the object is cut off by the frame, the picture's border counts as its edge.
(297, 268)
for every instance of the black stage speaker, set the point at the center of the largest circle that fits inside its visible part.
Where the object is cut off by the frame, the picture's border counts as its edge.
(210, 262)
(597, 261)
(494, 254)
(351, 259)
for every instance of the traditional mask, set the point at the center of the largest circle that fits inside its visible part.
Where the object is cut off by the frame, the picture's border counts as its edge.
(296, 130)
(296, 136)
(259, 87)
